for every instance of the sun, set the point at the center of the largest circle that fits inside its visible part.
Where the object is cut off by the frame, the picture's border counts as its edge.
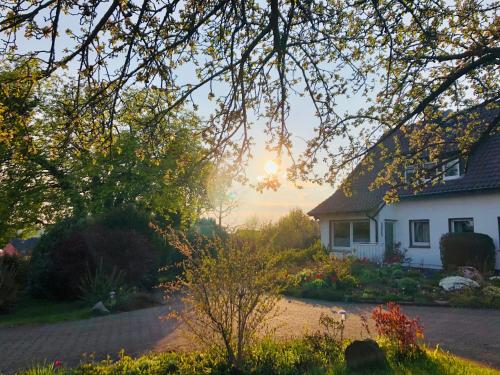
(271, 167)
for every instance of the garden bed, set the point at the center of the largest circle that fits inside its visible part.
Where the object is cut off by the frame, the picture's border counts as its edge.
(351, 280)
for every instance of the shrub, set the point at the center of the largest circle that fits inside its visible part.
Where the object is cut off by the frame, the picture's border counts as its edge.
(296, 259)
(8, 287)
(122, 239)
(97, 285)
(232, 289)
(133, 300)
(296, 230)
(408, 285)
(468, 249)
(401, 331)
(21, 265)
(397, 274)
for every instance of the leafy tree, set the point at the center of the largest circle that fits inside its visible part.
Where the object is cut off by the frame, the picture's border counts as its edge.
(222, 201)
(407, 60)
(295, 230)
(57, 162)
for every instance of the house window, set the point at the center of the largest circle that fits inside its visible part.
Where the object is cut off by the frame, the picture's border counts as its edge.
(420, 233)
(451, 169)
(409, 173)
(361, 231)
(341, 234)
(461, 225)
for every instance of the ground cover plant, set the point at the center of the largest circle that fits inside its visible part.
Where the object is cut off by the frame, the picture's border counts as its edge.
(292, 358)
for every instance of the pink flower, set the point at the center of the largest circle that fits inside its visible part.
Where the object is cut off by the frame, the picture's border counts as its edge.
(57, 363)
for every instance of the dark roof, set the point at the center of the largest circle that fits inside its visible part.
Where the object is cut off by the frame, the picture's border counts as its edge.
(482, 172)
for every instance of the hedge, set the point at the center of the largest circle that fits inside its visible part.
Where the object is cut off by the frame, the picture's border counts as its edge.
(468, 249)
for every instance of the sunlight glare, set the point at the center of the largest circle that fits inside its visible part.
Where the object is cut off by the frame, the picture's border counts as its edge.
(271, 167)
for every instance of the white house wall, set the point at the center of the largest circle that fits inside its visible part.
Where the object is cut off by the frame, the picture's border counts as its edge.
(483, 208)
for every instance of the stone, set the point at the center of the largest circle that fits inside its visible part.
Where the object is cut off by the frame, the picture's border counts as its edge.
(100, 309)
(364, 354)
(451, 283)
(470, 273)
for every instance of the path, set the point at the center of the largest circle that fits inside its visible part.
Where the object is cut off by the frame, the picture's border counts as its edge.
(470, 333)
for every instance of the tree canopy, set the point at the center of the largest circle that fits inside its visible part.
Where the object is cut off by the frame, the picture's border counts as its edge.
(56, 163)
(407, 61)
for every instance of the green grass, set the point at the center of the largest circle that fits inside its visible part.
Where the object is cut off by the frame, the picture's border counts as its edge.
(38, 311)
(269, 358)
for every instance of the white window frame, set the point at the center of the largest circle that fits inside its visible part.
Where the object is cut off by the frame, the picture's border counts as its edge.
(333, 234)
(408, 169)
(452, 221)
(369, 231)
(451, 164)
(417, 244)
(351, 232)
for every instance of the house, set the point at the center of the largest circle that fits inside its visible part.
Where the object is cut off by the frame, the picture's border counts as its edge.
(466, 199)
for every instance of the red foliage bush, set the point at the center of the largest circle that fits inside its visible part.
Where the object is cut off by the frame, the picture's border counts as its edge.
(397, 327)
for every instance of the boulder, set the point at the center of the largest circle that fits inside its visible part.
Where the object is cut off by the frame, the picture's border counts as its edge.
(100, 309)
(451, 283)
(365, 354)
(470, 273)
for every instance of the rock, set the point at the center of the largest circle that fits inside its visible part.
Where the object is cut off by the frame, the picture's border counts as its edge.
(494, 278)
(451, 283)
(100, 309)
(364, 354)
(471, 273)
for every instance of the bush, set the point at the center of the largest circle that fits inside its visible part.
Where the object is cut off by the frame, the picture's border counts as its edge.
(397, 274)
(296, 259)
(408, 285)
(8, 287)
(296, 230)
(121, 239)
(97, 285)
(401, 331)
(468, 249)
(232, 288)
(21, 266)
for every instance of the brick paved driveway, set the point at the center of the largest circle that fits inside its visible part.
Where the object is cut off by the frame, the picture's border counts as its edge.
(474, 334)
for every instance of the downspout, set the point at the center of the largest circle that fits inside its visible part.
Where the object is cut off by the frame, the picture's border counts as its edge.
(375, 220)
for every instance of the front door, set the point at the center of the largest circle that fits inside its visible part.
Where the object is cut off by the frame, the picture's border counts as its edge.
(389, 235)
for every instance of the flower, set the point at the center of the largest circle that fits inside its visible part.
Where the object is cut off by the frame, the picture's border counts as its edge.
(318, 276)
(57, 363)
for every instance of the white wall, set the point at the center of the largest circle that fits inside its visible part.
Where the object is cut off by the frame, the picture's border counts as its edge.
(483, 208)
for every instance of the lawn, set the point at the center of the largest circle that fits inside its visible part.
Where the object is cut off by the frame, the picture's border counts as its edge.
(297, 357)
(29, 310)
